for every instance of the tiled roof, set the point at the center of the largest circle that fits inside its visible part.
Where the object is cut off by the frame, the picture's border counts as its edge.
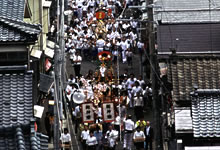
(16, 30)
(206, 113)
(15, 98)
(12, 9)
(187, 72)
(187, 11)
(22, 138)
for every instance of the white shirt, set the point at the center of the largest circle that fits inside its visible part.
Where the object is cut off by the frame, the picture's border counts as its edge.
(136, 90)
(100, 43)
(85, 134)
(100, 112)
(138, 101)
(79, 2)
(133, 24)
(115, 34)
(90, 141)
(141, 82)
(65, 137)
(125, 26)
(112, 136)
(140, 44)
(130, 82)
(78, 59)
(117, 120)
(138, 134)
(102, 71)
(124, 45)
(129, 125)
(69, 89)
(147, 130)
(129, 53)
(77, 111)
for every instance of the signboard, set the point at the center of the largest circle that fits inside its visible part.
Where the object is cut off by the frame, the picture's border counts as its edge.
(46, 82)
(87, 113)
(108, 112)
(47, 64)
(100, 15)
(38, 111)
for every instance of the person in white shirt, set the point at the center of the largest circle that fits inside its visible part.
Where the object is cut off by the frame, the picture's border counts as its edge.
(141, 81)
(140, 47)
(77, 59)
(139, 138)
(84, 137)
(124, 47)
(137, 92)
(91, 141)
(100, 43)
(128, 127)
(134, 24)
(78, 117)
(130, 84)
(85, 8)
(112, 136)
(65, 139)
(126, 25)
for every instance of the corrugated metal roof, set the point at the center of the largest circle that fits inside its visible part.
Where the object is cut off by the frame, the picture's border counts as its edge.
(206, 113)
(12, 9)
(187, 11)
(189, 38)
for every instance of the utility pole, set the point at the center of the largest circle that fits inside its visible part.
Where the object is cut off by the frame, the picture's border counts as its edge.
(62, 56)
(57, 82)
(154, 66)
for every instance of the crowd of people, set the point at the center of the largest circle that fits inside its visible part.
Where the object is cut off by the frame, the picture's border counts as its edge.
(89, 35)
(130, 94)
(86, 36)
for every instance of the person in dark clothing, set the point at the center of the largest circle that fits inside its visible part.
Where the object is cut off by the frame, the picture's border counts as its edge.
(47, 125)
(148, 131)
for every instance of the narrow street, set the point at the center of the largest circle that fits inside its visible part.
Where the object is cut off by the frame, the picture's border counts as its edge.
(86, 65)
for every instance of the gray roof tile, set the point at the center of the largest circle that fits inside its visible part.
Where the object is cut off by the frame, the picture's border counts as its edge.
(13, 102)
(188, 71)
(205, 112)
(22, 137)
(12, 9)
(17, 30)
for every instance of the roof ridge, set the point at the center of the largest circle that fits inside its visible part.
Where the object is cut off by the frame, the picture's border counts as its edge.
(21, 25)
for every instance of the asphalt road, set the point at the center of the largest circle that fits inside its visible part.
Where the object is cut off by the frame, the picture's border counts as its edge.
(88, 64)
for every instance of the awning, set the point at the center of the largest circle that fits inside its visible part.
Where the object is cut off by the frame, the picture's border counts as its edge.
(47, 3)
(51, 44)
(36, 53)
(49, 52)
